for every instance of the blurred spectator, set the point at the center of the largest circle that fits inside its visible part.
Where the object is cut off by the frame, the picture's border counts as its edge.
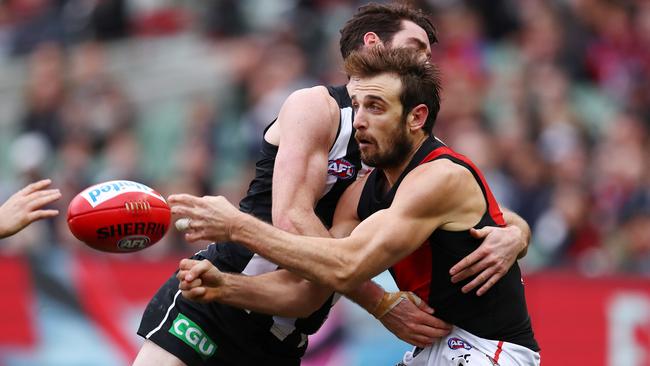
(34, 22)
(280, 71)
(109, 20)
(630, 242)
(45, 93)
(96, 108)
(223, 18)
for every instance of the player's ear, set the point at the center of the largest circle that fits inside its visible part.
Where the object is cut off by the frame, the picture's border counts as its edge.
(417, 117)
(371, 39)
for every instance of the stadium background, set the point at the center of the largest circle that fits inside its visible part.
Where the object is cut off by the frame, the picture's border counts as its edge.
(551, 99)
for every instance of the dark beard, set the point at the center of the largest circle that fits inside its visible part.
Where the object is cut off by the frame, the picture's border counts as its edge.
(401, 146)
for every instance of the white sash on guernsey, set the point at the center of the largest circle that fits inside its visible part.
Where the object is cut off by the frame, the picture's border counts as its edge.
(461, 348)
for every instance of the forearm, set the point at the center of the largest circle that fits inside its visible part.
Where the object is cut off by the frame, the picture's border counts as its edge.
(367, 295)
(321, 260)
(4, 231)
(276, 293)
(513, 219)
(301, 222)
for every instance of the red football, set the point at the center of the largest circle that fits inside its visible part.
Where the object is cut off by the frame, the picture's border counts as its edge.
(119, 216)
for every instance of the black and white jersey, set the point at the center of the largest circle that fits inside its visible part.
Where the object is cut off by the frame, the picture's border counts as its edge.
(344, 164)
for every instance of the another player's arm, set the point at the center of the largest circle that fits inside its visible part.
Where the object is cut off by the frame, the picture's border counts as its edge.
(500, 248)
(308, 124)
(26, 206)
(275, 293)
(305, 129)
(378, 242)
(515, 221)
(279, 292)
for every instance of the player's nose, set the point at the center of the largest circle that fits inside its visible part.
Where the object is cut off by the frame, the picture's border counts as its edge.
(360, 120)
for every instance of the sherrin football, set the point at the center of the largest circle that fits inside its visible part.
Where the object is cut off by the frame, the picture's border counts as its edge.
(119, 216)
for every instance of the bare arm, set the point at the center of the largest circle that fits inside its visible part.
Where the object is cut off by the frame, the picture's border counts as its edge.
(498, 252)
(378, 242)
(25, 207)
(512, 219)
(304, 131)
(408, 321)
(275, 293)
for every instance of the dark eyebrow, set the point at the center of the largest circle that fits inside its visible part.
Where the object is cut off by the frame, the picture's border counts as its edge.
(375, 98)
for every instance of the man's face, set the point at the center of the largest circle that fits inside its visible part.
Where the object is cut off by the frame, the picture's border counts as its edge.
(412, 36)
(381, 129)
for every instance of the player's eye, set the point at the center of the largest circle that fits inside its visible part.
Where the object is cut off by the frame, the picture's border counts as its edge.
(374, 107)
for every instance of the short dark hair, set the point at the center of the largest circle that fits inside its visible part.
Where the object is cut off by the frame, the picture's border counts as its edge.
(385, 21)
(420, 79)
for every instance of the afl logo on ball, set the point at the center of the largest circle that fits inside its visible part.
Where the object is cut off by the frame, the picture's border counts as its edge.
(341, 168)
(133, 242)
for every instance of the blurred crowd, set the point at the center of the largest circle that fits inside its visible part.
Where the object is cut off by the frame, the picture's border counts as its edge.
(550, 98)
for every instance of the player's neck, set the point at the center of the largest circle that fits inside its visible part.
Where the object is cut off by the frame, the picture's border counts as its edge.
(392, 174)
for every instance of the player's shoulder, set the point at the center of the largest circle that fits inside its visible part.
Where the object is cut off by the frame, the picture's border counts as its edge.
(437, 178)
(314, 102)
(313, 96)
(309, 115)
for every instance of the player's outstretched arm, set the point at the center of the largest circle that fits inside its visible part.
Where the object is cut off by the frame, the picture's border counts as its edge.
(276, 293)
(25, 207)
(377, 243)
(500, 249)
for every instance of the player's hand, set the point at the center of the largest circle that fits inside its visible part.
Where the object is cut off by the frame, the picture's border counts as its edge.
(210, 217)
(491, 260)
(199, 281)
(414, 324)
(25, 207)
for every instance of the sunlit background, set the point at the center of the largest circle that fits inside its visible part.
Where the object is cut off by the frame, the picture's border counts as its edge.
(550, 98)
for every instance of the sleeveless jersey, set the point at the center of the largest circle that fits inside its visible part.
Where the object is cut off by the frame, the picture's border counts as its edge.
(343, 165)
(499, 314)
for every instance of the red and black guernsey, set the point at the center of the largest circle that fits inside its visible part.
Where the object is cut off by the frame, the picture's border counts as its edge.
(500, 314)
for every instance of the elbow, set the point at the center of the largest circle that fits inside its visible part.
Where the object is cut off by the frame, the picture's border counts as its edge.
(289, 219)
(347, 276)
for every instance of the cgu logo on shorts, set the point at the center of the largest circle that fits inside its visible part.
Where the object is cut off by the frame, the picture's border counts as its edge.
(457, 343)
(102, 192)
(190, 333)
(340, 168)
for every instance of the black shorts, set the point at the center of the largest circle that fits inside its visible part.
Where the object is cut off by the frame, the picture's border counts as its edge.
(212, 334)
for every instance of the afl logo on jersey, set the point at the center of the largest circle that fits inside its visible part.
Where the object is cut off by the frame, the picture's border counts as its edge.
(457, 343)
(341, 168)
